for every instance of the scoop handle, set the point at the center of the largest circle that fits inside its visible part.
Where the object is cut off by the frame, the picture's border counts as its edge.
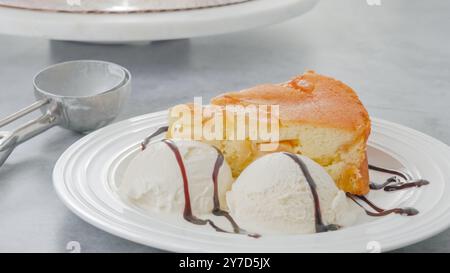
(11, 139)
(25, 111)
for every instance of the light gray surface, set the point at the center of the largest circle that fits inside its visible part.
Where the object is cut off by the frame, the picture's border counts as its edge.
(397, 57)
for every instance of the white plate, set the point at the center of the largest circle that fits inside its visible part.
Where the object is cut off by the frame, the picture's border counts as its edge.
(123, 27)
(86, 175)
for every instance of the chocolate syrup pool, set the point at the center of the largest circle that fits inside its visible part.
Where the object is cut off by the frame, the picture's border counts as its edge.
(399, 181)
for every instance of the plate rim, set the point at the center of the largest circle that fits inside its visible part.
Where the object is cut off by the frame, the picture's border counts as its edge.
(61, 190)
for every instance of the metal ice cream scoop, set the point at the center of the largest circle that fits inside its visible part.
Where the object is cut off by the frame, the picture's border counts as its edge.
(81, 96)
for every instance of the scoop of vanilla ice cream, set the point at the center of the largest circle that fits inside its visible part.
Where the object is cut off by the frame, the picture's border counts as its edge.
(153, 179)
(273, 196)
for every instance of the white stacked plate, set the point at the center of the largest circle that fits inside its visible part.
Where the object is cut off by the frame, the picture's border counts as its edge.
(88, 173)
(141, 20)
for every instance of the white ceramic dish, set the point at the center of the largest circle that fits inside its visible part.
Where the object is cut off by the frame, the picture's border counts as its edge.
(87, 174)
(129, 27)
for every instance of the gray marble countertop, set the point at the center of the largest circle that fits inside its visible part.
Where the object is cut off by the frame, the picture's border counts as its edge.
(396, 55)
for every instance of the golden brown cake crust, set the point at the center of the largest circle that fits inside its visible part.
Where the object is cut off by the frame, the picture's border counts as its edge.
(319, 101)
(324, 102)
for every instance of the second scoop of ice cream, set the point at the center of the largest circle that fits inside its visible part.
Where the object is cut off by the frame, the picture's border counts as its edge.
(272, 196)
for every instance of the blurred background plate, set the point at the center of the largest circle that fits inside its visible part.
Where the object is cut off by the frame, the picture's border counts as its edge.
(119, 27)
(114, 6)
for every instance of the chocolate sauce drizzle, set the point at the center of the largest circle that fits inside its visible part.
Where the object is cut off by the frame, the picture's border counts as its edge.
(155, 134)
(394, 183)
(187, 213)
(379, 211)
(216, 210)
(320, 226)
